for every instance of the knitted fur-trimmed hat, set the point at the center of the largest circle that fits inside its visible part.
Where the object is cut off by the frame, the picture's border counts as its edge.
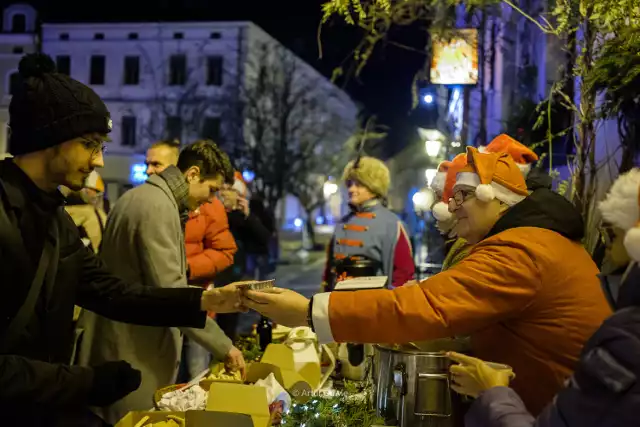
(441, 209)
(494, 176)
(621, 208)
(521, 154)
(437, 184)
(371, 173)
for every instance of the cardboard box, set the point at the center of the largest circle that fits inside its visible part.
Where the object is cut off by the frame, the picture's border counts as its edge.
(278, 360)
(282, 356)
(192, 419)
(240, 399)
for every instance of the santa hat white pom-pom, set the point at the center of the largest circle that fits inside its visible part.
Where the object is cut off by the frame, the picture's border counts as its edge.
(484, 192)
(441, 211)
(632, 243)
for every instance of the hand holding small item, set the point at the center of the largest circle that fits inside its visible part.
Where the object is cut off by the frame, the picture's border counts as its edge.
(222, 300)
(283, 306)
(473, 376)
(234, 362)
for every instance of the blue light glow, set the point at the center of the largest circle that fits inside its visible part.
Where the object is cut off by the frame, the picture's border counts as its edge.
(248, 176)
(428, 98)
(297, 222)
(138, 173)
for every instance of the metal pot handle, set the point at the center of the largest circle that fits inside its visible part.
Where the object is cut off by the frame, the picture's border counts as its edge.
(441, 376)
(400, 382)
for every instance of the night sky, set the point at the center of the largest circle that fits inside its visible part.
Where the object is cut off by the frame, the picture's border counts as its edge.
(383, 89)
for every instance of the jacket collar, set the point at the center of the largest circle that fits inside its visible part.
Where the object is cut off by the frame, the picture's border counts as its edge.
(22, 192)
(368, 206)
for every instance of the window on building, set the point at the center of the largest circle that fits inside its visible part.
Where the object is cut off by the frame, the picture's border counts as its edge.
(63, 64)
(131, 70)
(128, 129)
(98, 36)
(214, 70)
(96, 76)
(215, 35)
(19, 23)
(18, 49)
(64, 36)
(174, 127)
(178, 36)
(177, 70)
(14, 83)
(211, 129)
(133, 36)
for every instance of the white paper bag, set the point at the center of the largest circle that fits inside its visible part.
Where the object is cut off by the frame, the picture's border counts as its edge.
(275, 391)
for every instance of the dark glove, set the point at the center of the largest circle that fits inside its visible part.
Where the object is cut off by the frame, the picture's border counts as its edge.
(112, 381)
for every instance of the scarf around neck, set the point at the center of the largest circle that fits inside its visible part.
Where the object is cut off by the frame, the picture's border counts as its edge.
(180, 190)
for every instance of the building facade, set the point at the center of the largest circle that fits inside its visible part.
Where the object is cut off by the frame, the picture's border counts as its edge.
(172, 80)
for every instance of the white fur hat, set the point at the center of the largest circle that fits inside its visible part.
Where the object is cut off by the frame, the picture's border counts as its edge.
(621, 208)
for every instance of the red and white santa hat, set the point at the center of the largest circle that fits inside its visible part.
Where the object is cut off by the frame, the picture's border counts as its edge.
(521, 154)
(437, 184)
(621, 208)
(441, 209)
(494, 176)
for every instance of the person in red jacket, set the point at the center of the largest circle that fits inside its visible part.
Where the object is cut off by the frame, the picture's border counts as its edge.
(209, 242)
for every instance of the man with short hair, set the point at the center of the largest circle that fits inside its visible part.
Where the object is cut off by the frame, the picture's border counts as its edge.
(144, 242)
(58, 129)
(210, 247)
(161, 155)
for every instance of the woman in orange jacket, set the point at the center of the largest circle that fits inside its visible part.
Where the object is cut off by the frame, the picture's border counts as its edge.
(527, 294)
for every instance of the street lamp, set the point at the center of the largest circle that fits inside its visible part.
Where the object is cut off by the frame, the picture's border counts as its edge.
(432, 147)
(329, 189)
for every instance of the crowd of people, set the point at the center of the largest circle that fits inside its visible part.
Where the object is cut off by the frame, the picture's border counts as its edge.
(152, 285)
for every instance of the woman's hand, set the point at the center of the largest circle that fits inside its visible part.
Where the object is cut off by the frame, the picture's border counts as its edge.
(473, 376)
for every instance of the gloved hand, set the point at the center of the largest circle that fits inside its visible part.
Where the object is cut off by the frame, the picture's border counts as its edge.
(112, 381)
(473, 376)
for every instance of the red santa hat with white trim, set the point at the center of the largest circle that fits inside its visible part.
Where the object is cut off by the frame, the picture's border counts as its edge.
(520, 153)
(441, 209)
(494, 176)
(437, 184)
(621, 208)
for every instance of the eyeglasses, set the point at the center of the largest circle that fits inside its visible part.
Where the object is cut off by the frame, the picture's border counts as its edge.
(459, 198)
(95, 146)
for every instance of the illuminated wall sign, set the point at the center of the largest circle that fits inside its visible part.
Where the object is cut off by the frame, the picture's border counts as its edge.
(455, 58)
(139, 173)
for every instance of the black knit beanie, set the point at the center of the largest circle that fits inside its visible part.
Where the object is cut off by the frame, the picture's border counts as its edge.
(50, 108)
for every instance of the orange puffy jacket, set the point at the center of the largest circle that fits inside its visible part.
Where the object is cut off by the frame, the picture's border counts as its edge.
(210, 246)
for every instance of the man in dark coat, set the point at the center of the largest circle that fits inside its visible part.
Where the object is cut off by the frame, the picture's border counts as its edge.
(58, 127)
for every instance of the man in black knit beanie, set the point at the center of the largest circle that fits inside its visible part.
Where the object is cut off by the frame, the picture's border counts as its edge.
(58, 127)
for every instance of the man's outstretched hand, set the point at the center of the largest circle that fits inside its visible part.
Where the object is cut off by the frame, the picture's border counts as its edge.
(283, 306)
(222, 300)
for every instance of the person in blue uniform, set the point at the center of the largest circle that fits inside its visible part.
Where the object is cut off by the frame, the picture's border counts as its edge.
(371, 240)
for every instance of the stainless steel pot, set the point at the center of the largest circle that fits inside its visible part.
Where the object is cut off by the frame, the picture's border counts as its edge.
(412, 384)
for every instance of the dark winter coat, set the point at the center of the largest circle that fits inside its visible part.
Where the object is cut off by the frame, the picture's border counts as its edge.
(603, 392)
(248, 231)
(36, 384)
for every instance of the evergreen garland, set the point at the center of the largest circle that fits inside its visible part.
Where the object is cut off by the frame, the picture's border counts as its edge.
(350, 407)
